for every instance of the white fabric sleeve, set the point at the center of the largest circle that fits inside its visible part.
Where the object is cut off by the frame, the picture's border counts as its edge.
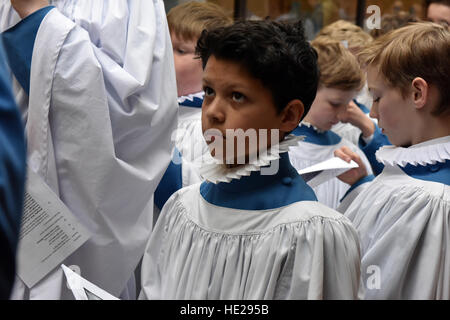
(102, 109)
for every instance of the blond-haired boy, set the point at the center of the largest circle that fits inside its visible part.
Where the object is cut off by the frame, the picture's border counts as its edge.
(403, 215)
(340, 78)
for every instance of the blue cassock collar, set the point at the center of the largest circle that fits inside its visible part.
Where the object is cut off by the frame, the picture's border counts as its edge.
(439, 172)
(260, 192)
(196, 103)
(327, 138)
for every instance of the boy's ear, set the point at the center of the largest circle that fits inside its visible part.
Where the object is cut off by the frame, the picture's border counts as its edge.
(420, 92)
(291, 115)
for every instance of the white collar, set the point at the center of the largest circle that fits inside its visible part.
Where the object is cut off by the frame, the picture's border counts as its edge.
(191, 97)
(309, 125)
(214, 171)
(429, 152)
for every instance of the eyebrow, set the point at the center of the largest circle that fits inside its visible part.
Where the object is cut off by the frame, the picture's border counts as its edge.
(233, 86)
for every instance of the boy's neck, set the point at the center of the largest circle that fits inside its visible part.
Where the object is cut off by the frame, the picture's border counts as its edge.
(431, 128)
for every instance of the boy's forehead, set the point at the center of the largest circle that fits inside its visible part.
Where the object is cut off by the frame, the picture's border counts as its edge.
(182, 39)
(374, 77)
(217, 66)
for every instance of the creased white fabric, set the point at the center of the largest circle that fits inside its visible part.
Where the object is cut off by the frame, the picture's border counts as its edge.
(404, 225)
(102, 109)
(307, 154)
(201, 251)
(191, 144)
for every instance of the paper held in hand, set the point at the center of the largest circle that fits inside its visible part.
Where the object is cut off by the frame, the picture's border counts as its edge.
(83, 289)
(326, 170)
(49, 232)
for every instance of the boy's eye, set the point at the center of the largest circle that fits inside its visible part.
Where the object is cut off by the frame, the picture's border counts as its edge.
(180, 51)
(335, 105)
(375, 100)
(238, 97)
(208, 91)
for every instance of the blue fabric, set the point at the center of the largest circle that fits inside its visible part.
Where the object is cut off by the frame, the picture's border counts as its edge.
(12, 178)
(327, 138)
(171, 182)
(439, 172)
(19, 44)
(196, 103)
(260, 192)
(379, 140)
(361, 181)
(362, 107)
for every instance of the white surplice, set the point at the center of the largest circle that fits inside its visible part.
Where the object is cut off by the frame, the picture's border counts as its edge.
(307, 154)
(404, 225)
(202, 249)
(102, 108)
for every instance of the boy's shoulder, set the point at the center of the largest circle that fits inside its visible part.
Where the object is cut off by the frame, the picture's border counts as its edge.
(191, 200)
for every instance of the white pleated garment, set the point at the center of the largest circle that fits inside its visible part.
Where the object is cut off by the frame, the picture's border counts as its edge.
(308, 154)
(404, 225)
(102, 110)
(202, 251)
(191, 144)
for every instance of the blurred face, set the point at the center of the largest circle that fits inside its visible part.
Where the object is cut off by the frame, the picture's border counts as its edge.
(329, 103)
(235, 100)
(439, 13)
(188, 69)
(393, 112)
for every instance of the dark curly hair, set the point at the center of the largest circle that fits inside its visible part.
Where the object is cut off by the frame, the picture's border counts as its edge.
(277, 53)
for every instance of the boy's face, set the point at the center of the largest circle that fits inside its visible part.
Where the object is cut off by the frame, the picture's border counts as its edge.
(327, 105)
(188, 70)
(439, 13)
(393, 112)
(234, 99)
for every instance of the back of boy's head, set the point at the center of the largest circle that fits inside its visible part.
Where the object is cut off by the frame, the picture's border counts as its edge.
(342, 30)
(394, 21)
(188, 20)
(418, 50)
(276, 53)
(339, 69)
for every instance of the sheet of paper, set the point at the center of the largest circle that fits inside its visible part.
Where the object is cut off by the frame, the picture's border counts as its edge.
(49, 232)
(326, 170)
(83, 289)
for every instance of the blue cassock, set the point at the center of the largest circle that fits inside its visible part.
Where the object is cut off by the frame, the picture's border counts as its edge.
(12, 178)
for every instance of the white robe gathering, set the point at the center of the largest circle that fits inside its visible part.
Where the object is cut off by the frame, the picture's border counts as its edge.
(403, 220)
(101, 110)
(237, 241)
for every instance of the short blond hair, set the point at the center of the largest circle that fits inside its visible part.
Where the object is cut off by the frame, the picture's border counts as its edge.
(420, 49)
(189, 19)
(338, 67)
(342, 30)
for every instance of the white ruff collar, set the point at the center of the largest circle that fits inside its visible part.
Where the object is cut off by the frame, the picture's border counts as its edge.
(191, 97)
(429, 152)
(214, 171)
(309, 125)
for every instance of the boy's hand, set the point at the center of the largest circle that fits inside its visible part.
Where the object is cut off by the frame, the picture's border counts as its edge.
(354, 175)
(354, 115)
(26, 7)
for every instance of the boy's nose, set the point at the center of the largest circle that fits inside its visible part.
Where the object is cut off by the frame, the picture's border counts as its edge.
(374, 111)
(215, 111)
